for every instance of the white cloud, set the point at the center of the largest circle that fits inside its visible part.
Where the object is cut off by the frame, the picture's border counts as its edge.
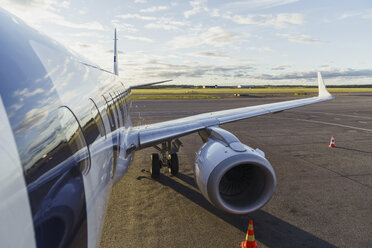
(257, 4)
(37, 12)
(327, 72)
(140, 1)
(260, 49)
(33, 118)
(87, 34)
(138, 38)
(124, 27)
(137, 16)
(214, 36)
(27, 93)
(197, 7)
(185, 41)
(88, 25)
(166, 24)
(367, 15)
(281, 67)
(210, 54)
(215, 13)
(16, 106)
(217, 36)
(300, 38)
(278, 20)
(65, 4)
(154, 9)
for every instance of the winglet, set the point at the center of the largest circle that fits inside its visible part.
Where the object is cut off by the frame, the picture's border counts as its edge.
(323, 92)
(116, 72)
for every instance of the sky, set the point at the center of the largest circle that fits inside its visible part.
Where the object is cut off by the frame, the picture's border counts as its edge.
(205, 42)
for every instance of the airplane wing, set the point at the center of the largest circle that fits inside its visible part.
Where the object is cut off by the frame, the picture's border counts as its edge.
(149, 135)
(147, 84)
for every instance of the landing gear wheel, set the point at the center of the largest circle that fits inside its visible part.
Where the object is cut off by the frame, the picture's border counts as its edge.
(173, 164)
(155, 165)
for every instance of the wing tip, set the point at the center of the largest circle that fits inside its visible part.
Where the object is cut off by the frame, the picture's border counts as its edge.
(323, 92)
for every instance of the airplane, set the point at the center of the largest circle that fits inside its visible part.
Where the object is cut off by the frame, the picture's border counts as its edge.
(67, 138)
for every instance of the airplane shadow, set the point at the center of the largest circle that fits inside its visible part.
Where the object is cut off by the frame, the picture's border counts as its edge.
(269, 230)
(352, 149)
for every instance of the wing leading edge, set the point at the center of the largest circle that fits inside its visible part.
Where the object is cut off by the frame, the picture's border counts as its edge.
(149, 135)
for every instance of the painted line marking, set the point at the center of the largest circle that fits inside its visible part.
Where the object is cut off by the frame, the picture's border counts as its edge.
(327, 113)
(322, 122)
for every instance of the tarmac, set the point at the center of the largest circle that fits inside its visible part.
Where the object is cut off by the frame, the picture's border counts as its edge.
(323, 196)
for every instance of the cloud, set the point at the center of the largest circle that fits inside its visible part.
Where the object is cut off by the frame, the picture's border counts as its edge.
(300, 38)
(217, 36)
(37, 12)
(214, 36)
(16, 106)
(196, 70)
(33, 118)
(87, 25)
(125, 27)
(140, 1)
(197, 7)
(257, 4)
(111, 51)
(138, 38)
(279, 20)
(185, 41)
(215, 13)
(27, 93)
(87, 34)
(367, 15)
(154, 9)
(281, 67)
(166, 24)
(260, 49)
(312, 74)
(137, 16)
(210, 54)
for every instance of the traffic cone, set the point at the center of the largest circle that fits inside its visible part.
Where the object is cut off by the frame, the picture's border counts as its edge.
(332, 144)
(249, 242)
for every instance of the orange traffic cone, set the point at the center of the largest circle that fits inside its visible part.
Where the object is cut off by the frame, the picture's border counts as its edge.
(249, 242)
(332, 144)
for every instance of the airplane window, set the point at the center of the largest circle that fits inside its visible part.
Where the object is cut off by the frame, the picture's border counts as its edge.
(120, 104)
(109, 113)
(96, 116)
(75, 138)
(118, 114)
(89, 122)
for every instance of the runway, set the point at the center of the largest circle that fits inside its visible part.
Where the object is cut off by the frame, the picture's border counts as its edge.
(323, 196)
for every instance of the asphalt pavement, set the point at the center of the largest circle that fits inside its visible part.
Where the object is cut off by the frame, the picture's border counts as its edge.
(323, 196)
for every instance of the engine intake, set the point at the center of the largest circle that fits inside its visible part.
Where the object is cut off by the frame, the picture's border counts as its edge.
(232, 176)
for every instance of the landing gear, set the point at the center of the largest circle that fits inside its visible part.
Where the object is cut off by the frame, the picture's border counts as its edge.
(173, 164)
(155, 165)
(169, 158)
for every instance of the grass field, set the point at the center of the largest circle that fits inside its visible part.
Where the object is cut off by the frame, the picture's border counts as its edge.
(173, 97)
(182, 92)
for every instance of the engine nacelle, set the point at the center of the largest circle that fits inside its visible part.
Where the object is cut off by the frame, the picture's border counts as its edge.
(232, 176)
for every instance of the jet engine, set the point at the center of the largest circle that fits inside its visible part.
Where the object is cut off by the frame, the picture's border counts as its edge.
(233, 176)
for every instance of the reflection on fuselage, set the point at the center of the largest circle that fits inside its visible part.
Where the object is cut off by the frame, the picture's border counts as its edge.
(65, 117)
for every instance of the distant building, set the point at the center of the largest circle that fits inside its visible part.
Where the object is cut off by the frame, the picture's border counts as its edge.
(245, 86)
